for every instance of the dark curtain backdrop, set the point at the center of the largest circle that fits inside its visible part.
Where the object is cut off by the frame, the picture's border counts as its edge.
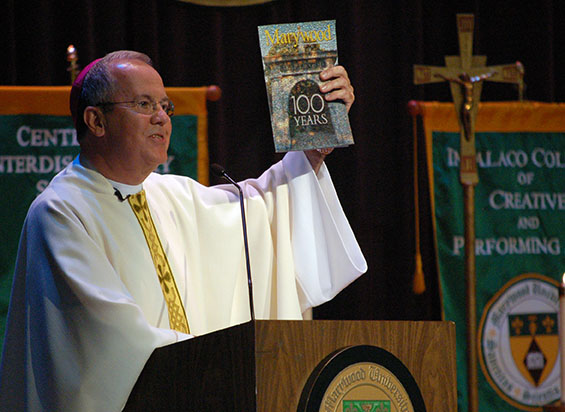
(378, 41)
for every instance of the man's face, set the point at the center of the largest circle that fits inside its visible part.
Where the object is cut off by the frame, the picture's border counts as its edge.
(137, 143)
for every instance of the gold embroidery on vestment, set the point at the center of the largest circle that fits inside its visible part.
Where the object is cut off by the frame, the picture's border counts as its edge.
(177, 314)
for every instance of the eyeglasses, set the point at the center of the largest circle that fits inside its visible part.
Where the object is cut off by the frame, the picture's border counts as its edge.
(145, 106)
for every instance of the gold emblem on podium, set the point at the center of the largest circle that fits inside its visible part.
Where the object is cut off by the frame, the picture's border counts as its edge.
(366, 387)
(361, 378)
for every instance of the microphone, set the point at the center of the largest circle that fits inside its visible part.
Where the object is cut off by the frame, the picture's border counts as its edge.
(219, 171)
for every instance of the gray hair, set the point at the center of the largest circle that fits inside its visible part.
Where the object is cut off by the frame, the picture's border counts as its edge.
(98, 85)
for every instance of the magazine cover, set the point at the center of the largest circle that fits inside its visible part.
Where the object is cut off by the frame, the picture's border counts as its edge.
(293, 57)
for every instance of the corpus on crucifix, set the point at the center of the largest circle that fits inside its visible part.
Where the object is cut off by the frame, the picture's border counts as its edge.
(467, 84)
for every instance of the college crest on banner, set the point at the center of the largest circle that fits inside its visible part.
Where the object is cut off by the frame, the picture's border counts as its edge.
(519, 342)
(520, 241)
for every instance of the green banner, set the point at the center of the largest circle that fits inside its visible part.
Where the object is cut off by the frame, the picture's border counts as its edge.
(519, 225)
(33, 149)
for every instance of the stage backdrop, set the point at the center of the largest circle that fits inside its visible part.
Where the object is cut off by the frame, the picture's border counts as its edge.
(37, 140)
(520, 241)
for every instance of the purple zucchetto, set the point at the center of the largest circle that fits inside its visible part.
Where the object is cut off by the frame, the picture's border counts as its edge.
(77, 89)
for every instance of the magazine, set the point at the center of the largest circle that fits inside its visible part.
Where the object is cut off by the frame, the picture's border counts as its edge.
(294, 55)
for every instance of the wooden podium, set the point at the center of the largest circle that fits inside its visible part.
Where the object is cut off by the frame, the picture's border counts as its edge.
(263, 366)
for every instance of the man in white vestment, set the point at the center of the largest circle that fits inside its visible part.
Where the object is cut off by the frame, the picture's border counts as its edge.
(91, 299)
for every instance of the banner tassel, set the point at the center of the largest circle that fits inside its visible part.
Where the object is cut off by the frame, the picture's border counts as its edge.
(418, 281)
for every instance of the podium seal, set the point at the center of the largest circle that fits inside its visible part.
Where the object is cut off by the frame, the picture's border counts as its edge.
(361, 378)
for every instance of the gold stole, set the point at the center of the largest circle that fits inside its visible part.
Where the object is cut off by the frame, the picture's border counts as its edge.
(177, 315)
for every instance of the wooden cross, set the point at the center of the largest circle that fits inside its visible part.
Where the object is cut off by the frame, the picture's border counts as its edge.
(466, 73)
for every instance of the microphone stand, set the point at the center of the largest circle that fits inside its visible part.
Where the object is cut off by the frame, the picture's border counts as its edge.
(221, 172)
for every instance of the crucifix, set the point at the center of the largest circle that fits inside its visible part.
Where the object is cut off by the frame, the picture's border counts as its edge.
(466, 74)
